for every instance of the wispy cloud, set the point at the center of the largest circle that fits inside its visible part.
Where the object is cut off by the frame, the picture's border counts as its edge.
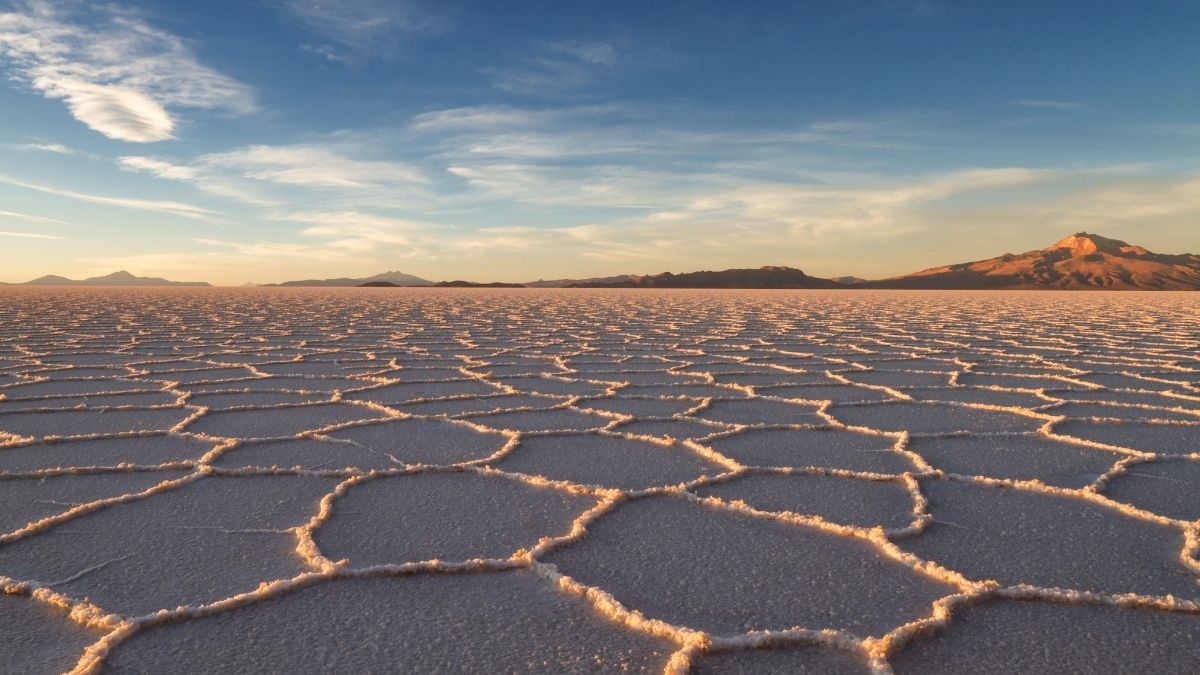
(556, 68)
(55, 148)
(1178, 129)
(198, 175)
(356, 223)
(116, 73)
(608, 185)
(1048, 104)
(857, 10)
(748, 223)
(29, 235)
(1121, 201)
(644, 136)
(160, 206)
(31, 218)
(276, 249)
(878, 209)
(332, 239)
(599, 52)
(259, 260)
(359, 231)
(759, 220)
(483, 117)
(314, 176)
(158, 167)
(305, 165)
(356, 30)
(615, 158)
(313, 166)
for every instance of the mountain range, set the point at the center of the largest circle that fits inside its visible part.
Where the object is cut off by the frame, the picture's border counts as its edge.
(1081, 261)
(565, 283)
(762, 277)
(121, 278)
(391, 278)
(458, 283)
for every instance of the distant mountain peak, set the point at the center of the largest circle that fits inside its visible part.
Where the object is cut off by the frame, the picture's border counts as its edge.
(119, 275)
(1079, 261)
(391, 277)
(1083, 243)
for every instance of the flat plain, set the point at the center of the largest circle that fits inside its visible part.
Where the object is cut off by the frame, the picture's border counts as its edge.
(440, 480)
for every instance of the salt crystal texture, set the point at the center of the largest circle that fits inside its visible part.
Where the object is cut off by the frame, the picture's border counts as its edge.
(299, 480)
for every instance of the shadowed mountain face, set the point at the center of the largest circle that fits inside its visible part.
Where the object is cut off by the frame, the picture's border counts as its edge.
(763, 277)
(1081, 261)
(569, 283)
(473, 284)
(443, 284)
(121, 278)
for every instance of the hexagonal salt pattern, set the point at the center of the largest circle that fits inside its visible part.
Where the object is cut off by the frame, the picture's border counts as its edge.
(552, 481)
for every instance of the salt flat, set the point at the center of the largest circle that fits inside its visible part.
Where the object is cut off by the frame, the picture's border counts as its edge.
(438, 480)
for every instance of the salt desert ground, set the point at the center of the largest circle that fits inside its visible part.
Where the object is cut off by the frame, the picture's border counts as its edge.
(406, 480)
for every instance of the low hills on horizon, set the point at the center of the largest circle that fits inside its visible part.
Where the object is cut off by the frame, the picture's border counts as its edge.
(1081, 261)
(121, 278)
(383, 279)
(763, 277)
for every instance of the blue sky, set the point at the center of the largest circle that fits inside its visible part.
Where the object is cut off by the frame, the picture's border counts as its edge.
(260, 140)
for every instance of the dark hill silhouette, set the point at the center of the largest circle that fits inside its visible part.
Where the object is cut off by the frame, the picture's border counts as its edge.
(763, 277)
(394, 278)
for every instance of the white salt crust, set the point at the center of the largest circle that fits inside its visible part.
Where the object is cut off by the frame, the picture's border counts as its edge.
(539, 370)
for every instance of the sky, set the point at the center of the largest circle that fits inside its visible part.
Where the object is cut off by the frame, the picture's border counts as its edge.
(237, 141)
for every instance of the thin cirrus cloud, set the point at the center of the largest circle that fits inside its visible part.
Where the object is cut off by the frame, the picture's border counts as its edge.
(747, 224)
(55, 148)
(1050, 104)
(483, 117)
(31, 218)
(116, 73)
(263, 250)
(156, 205)
(345, 224)
(29, 235)
(557, 68)
(353, 31)
(637, 138)
(213, 183)
(158, 167)
(313, 166)
(301, 165)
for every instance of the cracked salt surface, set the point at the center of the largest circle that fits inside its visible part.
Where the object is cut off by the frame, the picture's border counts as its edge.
(839, 499)
(1022, 457)
(486, 623)
(525, 481)
(803, 660)
(39, 638)
(726, 573)
(608, 461)
(154, 450)
(388, 520)
(1051, 638)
